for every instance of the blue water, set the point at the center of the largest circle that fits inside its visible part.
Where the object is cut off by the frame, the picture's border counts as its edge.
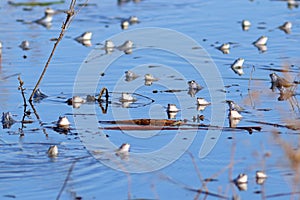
(27, 172)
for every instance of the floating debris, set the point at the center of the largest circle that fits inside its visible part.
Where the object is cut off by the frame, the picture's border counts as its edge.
(286, 27)
(237, 66)
(145, 122)
(7, 120)
(47, 19)
(246, 25)
(172, 108)
(126, 97)
(279, 82)
(38, 95)
(130, 76)
(260, 177)
(126, 47)
(63, 122)
(224, 48)
(53, 151)
(24, 45)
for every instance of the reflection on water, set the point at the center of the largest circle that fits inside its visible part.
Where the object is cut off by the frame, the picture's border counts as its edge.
(24, 141)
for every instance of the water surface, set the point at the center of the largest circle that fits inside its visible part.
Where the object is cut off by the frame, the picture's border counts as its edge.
(28, 173)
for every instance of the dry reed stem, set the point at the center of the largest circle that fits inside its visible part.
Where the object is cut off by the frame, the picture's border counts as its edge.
(293, 157)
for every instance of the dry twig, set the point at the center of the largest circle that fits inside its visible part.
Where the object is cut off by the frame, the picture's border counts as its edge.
(21, 83)
(70, 14)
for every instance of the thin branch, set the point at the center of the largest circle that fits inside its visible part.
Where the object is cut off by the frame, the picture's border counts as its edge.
(21, 83)
(70, 13)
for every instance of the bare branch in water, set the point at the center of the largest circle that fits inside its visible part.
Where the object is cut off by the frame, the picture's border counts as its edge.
(25, 112)
(21, 83)
(70, 14)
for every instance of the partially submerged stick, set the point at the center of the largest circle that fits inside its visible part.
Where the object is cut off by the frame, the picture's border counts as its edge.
(101, 93)
(166, 124)
(21, 83)
(146, 122)
(70, 13)
(199, 127)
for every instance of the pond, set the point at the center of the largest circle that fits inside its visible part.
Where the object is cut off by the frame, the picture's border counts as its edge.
(195, 152)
